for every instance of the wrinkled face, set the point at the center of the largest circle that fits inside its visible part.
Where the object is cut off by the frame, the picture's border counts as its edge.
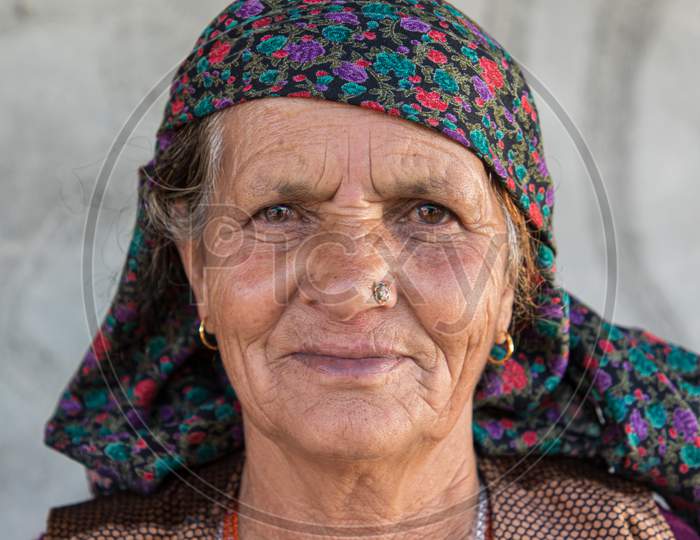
(315, 202)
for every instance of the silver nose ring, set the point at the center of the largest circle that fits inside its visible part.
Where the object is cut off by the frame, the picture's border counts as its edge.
(381, 292)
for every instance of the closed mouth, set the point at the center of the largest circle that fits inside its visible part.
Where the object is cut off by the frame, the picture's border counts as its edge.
(341, 366)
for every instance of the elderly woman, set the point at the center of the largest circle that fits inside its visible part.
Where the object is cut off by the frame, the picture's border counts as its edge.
(338, 316)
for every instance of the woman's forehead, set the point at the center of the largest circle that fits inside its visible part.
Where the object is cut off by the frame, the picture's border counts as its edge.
(313, 166)
(296, 132)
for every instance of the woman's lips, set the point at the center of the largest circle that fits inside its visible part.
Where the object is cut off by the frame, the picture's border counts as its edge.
(349, 367)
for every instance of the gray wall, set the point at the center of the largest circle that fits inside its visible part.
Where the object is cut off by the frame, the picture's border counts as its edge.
(626, 72)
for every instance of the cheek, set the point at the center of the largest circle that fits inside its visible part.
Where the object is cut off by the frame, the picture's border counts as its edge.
(454, 290)
(453, 285)
(244, 295)
(245, 305)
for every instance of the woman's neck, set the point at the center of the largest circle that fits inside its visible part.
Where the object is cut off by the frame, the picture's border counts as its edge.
(436, 484)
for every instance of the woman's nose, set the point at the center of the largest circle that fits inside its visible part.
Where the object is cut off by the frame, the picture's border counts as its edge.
(342, 275)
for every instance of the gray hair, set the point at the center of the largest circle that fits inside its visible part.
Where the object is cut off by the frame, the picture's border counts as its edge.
(194, 159)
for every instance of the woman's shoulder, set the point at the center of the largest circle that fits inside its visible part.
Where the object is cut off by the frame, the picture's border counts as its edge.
(190, 504)
(558, 497)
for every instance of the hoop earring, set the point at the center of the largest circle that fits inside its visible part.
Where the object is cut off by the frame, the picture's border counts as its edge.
(203, 338)
(510, 347)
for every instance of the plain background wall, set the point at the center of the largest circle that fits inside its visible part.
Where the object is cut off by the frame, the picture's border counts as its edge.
(72, 71)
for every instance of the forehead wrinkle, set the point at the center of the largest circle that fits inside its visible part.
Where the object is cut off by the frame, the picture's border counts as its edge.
(424, 138)
(430, 145)
(299, 191)
(277, 138)
(293, 190)
(269, 152)
(258, 184)
(438, 178)
(323, 166)
(459, 174)
(371, 170)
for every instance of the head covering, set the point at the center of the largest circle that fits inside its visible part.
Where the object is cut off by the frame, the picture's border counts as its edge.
(147, 400)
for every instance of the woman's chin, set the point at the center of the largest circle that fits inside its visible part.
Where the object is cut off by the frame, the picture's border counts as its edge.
(353, 428)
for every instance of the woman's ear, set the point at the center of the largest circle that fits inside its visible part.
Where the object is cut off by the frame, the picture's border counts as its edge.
(192, 257)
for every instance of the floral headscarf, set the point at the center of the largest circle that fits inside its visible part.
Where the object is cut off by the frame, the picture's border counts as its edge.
(147, 400)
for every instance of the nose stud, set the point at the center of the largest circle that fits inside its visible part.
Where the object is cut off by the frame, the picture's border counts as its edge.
(381, 292)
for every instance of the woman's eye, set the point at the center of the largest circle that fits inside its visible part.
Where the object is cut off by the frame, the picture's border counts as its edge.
(278, 213)
(431, 213)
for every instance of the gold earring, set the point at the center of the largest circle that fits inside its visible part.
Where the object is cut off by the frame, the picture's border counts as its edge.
(510, 347)
(203, 338)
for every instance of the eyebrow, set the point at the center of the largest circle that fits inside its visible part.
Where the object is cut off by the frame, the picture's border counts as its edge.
(296, 191)
(421, 187)
(299, 191)
(293, 191)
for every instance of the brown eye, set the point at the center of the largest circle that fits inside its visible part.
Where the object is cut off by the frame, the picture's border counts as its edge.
(277, 213)
(431, 213)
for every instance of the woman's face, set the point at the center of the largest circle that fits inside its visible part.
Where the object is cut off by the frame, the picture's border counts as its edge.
(316, 201)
